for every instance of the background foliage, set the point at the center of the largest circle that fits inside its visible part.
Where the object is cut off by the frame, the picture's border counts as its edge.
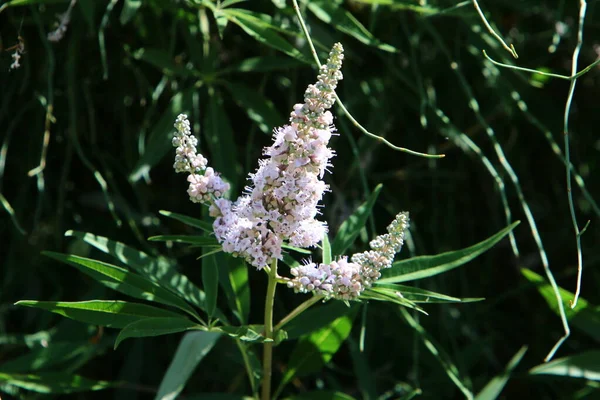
(97, 109)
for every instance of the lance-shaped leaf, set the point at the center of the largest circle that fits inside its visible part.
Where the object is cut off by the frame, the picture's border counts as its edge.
(585, 365)
(418, 295)
(54, 382)
(195, 222)
(191, 350)
(585, 317)
(426, 266)
(260, 27)
(201, 241)
(350, 228)
(157, 269)
(332, 14)
(108, 313)
(123, 281)
(317, 349)
(154, 327)
(492, 390)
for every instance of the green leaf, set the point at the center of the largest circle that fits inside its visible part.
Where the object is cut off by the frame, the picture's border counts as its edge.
(54, 382)
(260, 109)
(157, 269)
(154, 327)
(210, 282)
(327, 258)
(191, 350)
(259, 27)
(389, 296)
(584, 365)
(296, 249)
(351, 227)
(426, 266)
(108, 313)
(239, 296)
(160, 139)
(585, 317)
(247, 333)
(332, 14)
(492, 390)
(54, 354)
(418, 295)
(317, 349)
(123, 281)
(202, 241)
(195, 222)
(317, 318)
(130, 8)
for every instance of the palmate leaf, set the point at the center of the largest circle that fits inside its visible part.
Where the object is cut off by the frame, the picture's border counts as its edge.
(108, 313)
(157, 269)
(123, 281)
(426, 266)
(54, 382)
(155, 327)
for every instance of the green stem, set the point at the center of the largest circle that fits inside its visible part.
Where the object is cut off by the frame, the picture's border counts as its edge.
(297, 311)
(268, 346)
(341, 105)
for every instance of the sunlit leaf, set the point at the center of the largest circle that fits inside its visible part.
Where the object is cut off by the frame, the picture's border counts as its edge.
(585, 317)
(157, 269)
(584, 365)
(426, 266)
(154, 327)
(108, 313)
(54, 382)
(122, 280)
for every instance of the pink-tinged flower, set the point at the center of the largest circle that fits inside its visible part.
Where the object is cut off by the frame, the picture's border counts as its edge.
(345, 280)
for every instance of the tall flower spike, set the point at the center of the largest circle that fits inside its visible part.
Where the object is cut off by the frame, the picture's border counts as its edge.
(345, 280)
(281, 201)
(205, 185)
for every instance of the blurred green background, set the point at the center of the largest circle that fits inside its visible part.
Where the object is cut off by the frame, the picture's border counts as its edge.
(96, 110)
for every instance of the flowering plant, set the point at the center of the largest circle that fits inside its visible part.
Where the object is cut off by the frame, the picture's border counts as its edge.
(276, 215)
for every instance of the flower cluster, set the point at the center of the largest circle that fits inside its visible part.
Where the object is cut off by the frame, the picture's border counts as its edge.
(205, 184)
(281, 202)
(345, 280)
